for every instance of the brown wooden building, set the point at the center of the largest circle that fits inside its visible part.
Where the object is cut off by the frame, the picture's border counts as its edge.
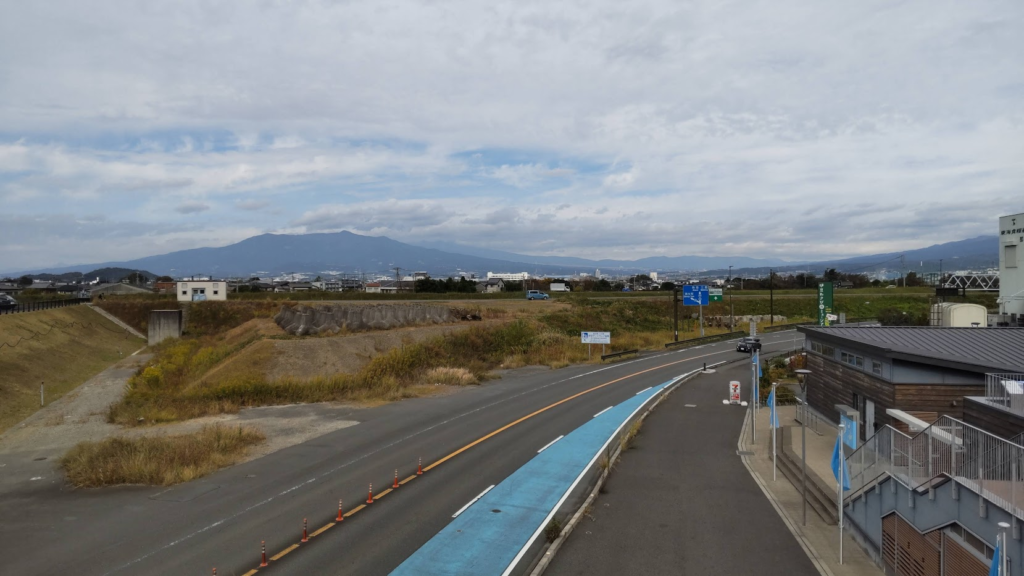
(926, 371)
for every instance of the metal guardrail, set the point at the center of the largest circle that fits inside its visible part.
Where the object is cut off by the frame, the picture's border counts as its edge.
(44, 305)
(781, 327)
(981, 461)
(617, 354)
(1006, 390)
(706, 339)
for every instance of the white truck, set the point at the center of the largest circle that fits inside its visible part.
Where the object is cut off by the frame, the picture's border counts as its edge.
(560, 287)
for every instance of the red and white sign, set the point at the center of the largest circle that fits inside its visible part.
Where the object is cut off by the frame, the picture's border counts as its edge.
(734, 392)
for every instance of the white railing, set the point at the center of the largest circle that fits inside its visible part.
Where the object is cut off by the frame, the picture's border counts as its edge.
(1006, 390)
(986, 463)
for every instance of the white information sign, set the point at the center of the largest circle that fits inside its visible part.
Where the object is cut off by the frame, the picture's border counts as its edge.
(734, 392)
(753, 328)
(596, 337)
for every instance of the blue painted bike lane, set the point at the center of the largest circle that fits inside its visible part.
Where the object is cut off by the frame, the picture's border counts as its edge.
(493, 533)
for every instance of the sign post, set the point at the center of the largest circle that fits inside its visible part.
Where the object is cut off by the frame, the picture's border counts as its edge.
(734, 392)
(825, 304)
(696, 295)
(590, 338)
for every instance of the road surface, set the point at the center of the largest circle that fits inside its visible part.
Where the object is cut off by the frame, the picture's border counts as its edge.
(219, 521)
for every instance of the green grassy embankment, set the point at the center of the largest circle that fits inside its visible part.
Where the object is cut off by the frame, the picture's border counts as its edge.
(62, 347)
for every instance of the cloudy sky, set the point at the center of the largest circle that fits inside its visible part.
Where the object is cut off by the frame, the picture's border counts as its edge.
(783, 128)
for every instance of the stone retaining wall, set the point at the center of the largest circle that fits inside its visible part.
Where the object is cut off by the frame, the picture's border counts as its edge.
(303, 320)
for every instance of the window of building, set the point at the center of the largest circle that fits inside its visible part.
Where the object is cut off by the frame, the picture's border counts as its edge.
(876, 367)
(851, 359)
(215, 293)
(185, 293)
(215, 286)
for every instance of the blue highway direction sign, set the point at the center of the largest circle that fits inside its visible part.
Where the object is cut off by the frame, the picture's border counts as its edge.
(695, 295)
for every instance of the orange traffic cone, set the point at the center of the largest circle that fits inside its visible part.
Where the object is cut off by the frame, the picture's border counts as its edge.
(263, 554)
(369, 499)
(395, 485)
(305, 536)
(340, 517)
(419, 469)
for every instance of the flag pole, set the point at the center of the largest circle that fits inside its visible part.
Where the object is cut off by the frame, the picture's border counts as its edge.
(771, 417)
(839, 499)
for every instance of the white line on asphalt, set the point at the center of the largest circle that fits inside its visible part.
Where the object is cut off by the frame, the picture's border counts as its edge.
(548, 445)
(473, 501)
(602, 411)
(645, 390)
(381, 448)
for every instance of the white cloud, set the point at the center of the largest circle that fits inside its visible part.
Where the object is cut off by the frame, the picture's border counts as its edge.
(191, 207)
(783, 128)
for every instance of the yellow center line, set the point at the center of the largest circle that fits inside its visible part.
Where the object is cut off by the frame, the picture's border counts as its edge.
(283, 552)
(382, 494)
(354, 510)
(251, 572)
(407, 479)
(322, 530)
(550, 406)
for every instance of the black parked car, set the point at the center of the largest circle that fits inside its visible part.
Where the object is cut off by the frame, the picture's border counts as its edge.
(748, 344)
(7, 303)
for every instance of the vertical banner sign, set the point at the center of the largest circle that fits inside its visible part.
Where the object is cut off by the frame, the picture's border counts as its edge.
(714, 295)
(734, 392)
(824, 303)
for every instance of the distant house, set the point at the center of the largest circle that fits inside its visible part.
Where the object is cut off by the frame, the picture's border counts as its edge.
(327, 286)
(372, 287)
(491, 286)
(164, 287)
(10, 288)
(191, 291)
(300, 286)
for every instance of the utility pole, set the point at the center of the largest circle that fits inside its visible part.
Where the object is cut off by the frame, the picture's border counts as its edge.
(771, 295)
(732, 314)
(902, 268)
(398, 279)
(941, 283)
(675, 305)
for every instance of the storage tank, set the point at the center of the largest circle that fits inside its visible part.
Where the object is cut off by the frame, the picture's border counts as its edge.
(965, 316)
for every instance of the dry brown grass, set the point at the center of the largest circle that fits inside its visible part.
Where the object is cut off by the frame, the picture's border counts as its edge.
(445, 375)
(160, 461)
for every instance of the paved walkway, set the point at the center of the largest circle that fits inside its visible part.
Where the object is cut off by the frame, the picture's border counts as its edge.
(819, 538)
(682, 501)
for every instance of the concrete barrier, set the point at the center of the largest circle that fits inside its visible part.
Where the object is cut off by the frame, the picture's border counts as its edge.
(331, 319)
(164, 324)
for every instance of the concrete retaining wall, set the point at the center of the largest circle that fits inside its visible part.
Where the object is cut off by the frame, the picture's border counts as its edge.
(303, 320)
(164, 324)
(742, 322)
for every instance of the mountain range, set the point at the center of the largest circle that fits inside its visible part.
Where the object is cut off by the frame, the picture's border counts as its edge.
(345, 252)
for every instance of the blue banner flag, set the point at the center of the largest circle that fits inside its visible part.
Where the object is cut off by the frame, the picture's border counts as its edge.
(838, 462)
(994, 570)
(773, 418)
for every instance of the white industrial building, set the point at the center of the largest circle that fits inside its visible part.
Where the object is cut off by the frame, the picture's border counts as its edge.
(1011, 269)
(197, 291)
(507, 276)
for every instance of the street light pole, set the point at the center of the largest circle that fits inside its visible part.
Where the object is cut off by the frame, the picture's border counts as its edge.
(732, 313)
(802, 374)
(771, 295)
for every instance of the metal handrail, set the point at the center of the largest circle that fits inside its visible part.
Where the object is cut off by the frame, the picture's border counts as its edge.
(982, 461)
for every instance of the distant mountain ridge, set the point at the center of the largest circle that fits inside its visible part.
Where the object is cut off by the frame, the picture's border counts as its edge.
(345, 252)
(652, 262)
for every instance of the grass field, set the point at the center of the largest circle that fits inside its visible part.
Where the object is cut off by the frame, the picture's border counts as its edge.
(62, 347)
(159, 460)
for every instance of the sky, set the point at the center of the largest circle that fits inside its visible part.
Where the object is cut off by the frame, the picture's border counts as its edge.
(787, 129)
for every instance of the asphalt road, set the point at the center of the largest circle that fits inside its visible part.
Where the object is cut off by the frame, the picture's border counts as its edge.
(220, 520)
(681, 501)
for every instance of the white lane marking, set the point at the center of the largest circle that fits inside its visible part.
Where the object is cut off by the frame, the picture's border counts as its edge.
(399, 441)
(694, 406)
(473, 501)
(602, 411)
(642, 391)
(35, 478)
(548, 445)
(565, 495)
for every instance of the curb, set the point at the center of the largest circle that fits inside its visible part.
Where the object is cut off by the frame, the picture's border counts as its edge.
(548, 555)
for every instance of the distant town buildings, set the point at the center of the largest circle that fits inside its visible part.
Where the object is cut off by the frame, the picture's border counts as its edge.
(508, 276)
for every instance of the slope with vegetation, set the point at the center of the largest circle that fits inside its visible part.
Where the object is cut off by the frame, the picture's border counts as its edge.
(62, 348)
